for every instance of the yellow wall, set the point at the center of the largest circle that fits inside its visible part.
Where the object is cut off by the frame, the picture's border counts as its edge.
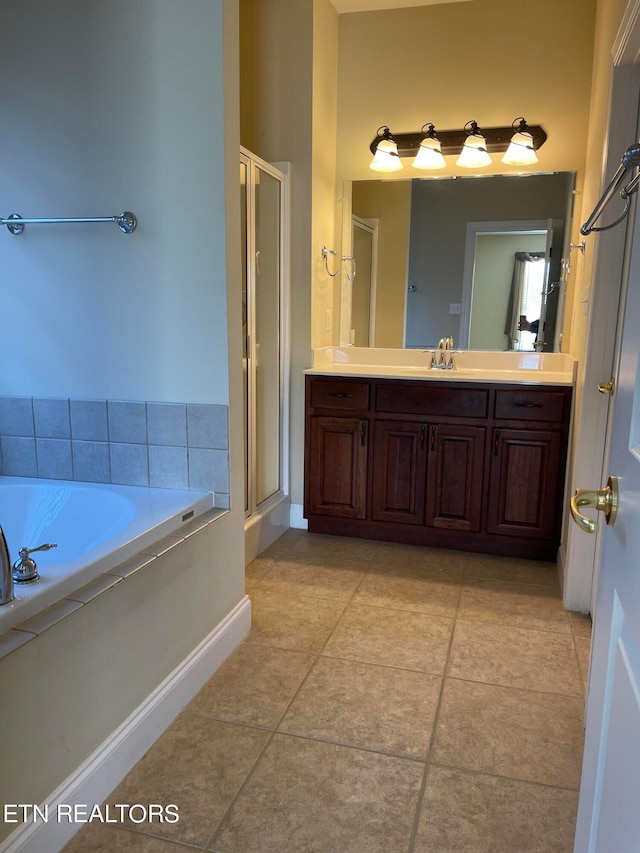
(288, 83)
(608, 18)
(324, 289)
(451, 63)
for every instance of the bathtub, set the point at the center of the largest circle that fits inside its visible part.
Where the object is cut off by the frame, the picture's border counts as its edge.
(95, 527)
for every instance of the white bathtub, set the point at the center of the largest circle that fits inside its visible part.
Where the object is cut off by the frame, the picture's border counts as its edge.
(95, 527)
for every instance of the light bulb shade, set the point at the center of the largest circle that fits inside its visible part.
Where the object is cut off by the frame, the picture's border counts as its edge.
(429, 155)
(520, 151)
(474, 152)
(386, 157)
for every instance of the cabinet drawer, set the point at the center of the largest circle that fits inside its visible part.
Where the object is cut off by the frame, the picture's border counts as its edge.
(431, 401)
(532, 405)
(346, 396)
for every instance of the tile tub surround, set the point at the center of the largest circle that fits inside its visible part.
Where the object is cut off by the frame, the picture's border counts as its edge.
(133, 443)
(344, 722)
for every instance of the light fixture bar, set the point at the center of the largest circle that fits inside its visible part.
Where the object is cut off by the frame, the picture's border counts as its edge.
(451, 141)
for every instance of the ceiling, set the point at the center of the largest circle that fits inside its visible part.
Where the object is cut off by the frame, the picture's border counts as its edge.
(342, 6)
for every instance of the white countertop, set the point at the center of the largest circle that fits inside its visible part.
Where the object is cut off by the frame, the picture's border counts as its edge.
(471, 365)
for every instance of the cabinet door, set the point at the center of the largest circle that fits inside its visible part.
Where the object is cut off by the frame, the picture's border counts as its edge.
(454, 481)
(338, 467)
(524, 483)
(399, 468)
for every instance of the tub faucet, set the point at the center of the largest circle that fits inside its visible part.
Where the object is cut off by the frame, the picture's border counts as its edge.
(6, 579)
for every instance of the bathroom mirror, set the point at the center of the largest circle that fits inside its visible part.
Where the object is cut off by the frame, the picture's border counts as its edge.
(437, 257)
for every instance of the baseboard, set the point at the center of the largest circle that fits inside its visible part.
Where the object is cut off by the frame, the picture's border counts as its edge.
(296, 517)
(265, 527)
(94, 780)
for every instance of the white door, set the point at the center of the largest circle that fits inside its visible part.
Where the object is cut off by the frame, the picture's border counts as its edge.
(609, 811)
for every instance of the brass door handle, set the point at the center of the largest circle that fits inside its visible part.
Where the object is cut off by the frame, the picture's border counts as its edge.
(605, 500)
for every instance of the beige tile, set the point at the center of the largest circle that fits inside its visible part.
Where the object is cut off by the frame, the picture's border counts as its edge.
(330, 579)
(535, 737)
(514, 657)
(256, 572)
(317, 797)
(521, 605)
(199, 765)
(409, 588)
(284, 544)
(292, 622)
(581, 624)
(392, 638)
(472, 813)
(513, 570)
(583, 649)
(390, 555)
(373, 707)
(253, 686)
(317, 545)
(98, 838)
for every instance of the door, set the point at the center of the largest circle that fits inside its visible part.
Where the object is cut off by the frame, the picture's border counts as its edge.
(454, 480)
(608, 816)
(363, 285)
(261, 194)
(399, 471)
(524, 480)
(338, 467)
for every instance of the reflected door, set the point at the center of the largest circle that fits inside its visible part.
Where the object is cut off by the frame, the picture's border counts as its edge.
(262, 286)
(363, 285)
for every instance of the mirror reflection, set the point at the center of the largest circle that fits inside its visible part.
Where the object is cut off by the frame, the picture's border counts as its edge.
(478, 259)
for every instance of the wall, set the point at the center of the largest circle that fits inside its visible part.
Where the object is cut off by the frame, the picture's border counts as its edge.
(103, 111)
(388, 202)
(287, 107)
(451, 63)
(143, 316)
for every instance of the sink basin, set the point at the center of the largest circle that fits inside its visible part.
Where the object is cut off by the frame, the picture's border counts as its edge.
(471, 365)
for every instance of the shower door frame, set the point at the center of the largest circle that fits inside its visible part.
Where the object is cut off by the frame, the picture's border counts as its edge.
(256, 510)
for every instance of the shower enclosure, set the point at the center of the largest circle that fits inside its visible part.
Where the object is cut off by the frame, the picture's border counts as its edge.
(262, 194)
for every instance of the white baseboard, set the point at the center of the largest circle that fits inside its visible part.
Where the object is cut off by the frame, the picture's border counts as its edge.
(296, 518)
(94, 780)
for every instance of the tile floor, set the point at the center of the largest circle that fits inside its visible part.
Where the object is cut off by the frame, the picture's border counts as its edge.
(388, 699)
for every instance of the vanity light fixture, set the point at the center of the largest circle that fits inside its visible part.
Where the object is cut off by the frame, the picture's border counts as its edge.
(521, 151)
(474, 152)
(385, 156)
(429, 154)
(426, 148)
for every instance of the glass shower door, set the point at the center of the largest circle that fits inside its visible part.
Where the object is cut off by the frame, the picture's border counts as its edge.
(262, 193)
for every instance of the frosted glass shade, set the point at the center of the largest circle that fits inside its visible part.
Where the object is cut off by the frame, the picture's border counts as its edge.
(520, 151)
(474, 152)
(386, 157)
(429, 155)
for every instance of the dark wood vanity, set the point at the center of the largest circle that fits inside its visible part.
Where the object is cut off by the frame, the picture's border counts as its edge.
(473, 466)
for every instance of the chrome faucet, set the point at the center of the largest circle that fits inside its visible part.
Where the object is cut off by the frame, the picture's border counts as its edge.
(6, 579)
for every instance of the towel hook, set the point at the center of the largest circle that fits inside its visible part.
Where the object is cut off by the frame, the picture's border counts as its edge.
(353, 266)
(325, 254)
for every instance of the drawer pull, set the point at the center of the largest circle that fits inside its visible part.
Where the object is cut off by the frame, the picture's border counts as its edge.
(496, 443)
(340, 395)
(433, 438)
(423, 436)
(529, 405)
(363, 433)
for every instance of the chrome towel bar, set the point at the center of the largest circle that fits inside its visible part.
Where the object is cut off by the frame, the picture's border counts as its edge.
(125, 221)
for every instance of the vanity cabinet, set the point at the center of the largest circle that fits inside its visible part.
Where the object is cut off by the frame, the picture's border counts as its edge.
(466, 465)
